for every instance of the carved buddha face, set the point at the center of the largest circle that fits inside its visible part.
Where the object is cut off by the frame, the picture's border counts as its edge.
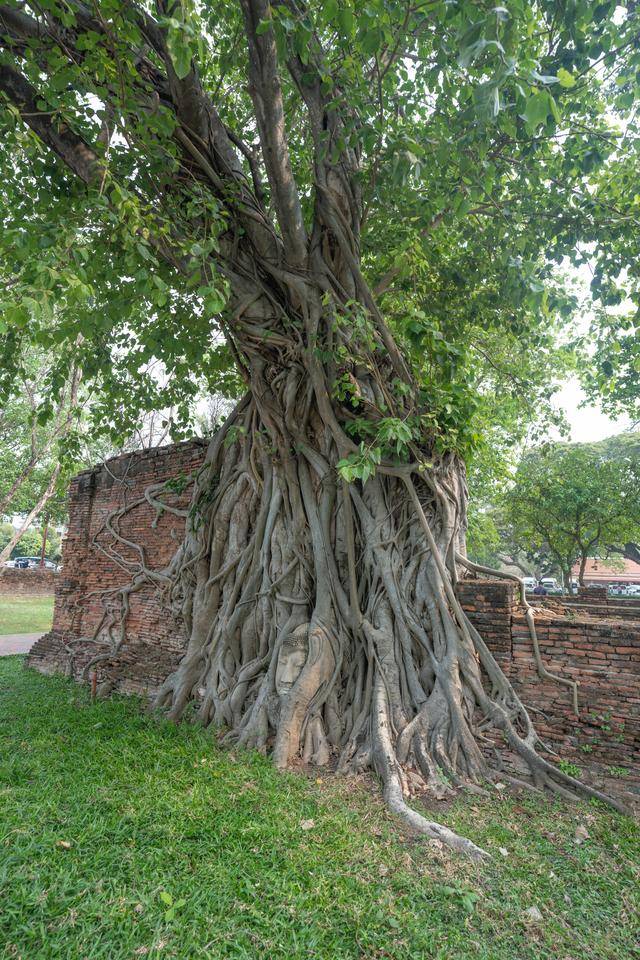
(291, 659)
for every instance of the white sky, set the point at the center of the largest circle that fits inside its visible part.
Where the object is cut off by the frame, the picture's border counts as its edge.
(587, 423)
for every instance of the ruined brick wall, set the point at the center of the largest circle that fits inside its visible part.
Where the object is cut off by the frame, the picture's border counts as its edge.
(491, 605)
(32, 582)
(602, 654)
(94, 562)
(604, 657)
(618, 608)
(594, 592)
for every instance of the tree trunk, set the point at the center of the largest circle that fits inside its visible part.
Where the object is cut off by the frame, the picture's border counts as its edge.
(43, 549)
(26, 523)
(322, 619)
(583, 567)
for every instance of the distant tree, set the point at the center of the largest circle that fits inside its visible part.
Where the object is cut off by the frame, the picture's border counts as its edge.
(491, 537)
(483, 537)
(51, 427)
(493, 541)
(572, 501)
(32, 446)
(621, 446)
(30, 544)
(6, 532)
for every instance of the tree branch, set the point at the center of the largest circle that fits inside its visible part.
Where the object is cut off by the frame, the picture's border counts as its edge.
(266, 94)
(42, 502)
(70, 147)
(187, 95)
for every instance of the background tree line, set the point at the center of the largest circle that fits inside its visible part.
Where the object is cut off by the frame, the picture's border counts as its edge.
(564, 503)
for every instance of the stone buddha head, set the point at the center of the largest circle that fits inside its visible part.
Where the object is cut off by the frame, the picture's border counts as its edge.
(292, 657)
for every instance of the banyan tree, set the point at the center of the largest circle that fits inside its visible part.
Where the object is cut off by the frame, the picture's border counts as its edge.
(349, 210)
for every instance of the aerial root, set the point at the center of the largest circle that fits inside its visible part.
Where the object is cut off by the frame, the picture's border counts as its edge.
(391, 774)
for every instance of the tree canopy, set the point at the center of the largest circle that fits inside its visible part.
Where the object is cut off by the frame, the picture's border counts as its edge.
(491, 143)
(573, 502)
(31, 542)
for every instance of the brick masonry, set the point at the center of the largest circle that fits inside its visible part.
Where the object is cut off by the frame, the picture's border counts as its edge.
(603, 655)
(491, 606)
(92, 562)
(603, 607)
(590, 644)
(27, 583)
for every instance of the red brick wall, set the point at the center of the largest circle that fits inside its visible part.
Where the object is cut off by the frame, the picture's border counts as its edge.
(618, 608)
(491, 605)
(603, 655)
(154, 642)
(27, 583)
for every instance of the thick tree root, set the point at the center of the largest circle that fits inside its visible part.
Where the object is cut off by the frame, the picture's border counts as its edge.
(386, 763)
(323, 623)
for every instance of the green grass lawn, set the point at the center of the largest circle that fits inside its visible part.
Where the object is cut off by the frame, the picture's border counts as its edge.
(25, 614)
(122, 836)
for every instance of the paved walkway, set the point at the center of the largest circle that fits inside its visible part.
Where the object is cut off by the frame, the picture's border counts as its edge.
(17, 643)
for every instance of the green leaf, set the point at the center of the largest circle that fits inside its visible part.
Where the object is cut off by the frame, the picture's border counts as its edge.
(537, 109)
(554, 108)
(566, 79)
(371, 42)
(179, 51)
(330, 10)
(346, 21)
(15, 314)
(215, 301)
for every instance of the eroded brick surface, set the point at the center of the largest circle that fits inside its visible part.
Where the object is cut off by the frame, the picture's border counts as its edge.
(27, 583)
(591, 645)
(93, 562)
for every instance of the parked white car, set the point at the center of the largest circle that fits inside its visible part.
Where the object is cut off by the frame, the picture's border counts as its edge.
(550, 584)
(530, 583)
(621, 589)
(30, 562)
